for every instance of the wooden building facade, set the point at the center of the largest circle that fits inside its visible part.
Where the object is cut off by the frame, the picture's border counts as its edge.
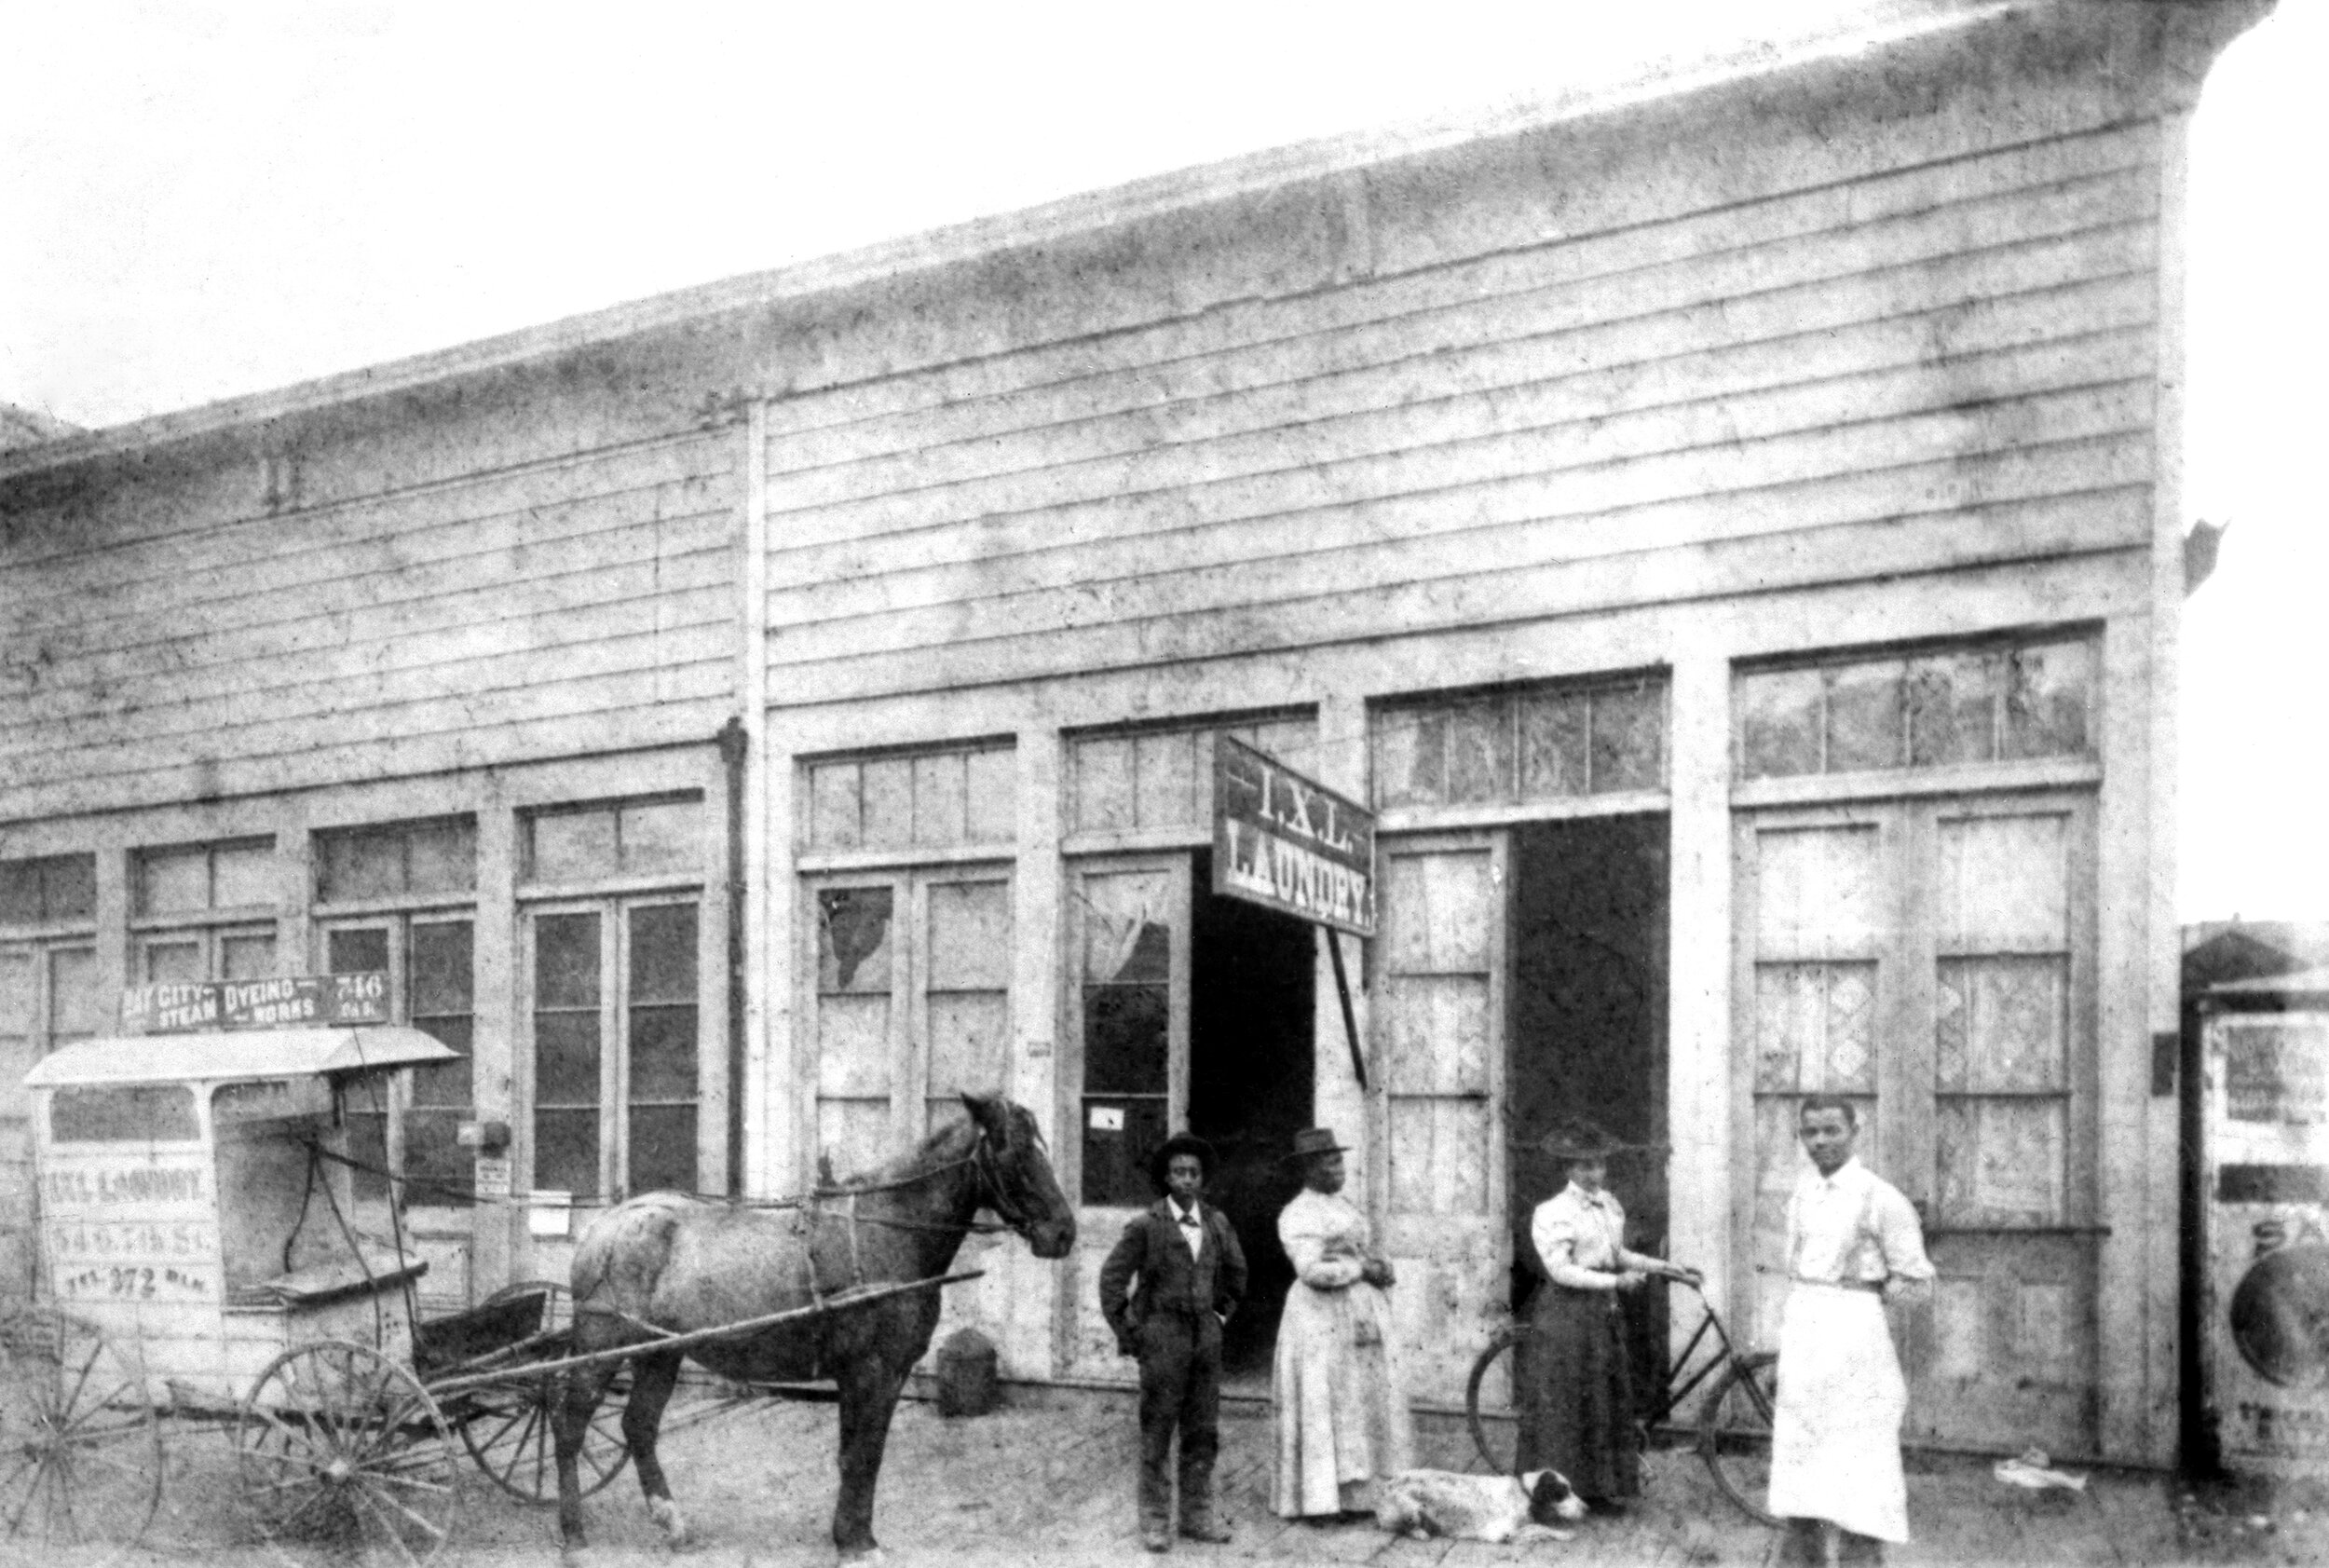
(1730, 534)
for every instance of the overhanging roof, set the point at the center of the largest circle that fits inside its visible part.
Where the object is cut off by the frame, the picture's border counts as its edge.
(209, 1058)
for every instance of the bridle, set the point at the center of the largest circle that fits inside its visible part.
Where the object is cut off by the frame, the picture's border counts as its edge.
(985, 1160)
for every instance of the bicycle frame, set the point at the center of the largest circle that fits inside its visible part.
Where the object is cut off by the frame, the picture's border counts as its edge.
(1677, 1387)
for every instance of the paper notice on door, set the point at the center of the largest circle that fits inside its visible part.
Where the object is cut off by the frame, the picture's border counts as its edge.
(1107, 1118)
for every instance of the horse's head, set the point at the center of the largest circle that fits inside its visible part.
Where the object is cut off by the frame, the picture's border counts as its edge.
(1016, 1177)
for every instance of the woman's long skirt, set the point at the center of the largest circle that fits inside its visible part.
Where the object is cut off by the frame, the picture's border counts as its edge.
(1576, 1401)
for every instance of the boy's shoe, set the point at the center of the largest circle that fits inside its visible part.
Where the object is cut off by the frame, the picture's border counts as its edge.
(1208, 1529)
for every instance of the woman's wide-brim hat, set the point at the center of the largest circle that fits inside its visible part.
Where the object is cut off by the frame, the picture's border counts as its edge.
(1578, 1138)
(1311, 1143)
(1180, 1144)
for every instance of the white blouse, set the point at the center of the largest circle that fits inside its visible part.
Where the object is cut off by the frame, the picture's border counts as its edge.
(1581, 1238)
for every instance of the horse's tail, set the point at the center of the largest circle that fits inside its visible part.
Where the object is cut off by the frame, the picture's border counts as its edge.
(622, 1253)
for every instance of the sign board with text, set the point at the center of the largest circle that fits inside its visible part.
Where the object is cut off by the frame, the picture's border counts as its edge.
(1288, 843)
(276, 1001)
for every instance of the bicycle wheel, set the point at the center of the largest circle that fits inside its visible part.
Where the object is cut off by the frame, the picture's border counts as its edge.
(1735, 1431)
(1499, 1456)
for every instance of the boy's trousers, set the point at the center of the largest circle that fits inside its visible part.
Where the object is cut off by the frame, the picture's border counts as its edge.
(1180, 1388)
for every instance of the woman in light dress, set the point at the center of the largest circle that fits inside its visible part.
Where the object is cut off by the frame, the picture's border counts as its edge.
(1341, 1415)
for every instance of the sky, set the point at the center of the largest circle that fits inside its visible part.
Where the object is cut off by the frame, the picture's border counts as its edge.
(199, 201)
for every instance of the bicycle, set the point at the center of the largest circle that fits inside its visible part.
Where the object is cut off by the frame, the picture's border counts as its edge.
(1734, 1425)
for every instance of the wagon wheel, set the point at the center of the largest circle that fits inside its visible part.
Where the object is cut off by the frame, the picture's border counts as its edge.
(80, 1444)
(337, 1443)
(506, 1428)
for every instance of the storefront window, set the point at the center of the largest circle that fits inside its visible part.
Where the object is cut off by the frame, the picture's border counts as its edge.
(1512, 748)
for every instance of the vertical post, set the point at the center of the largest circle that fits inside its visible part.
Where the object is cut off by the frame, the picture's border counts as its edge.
(763, 966)
(1041, 1331)
(1698, 978)
(1343, 993)
(1340, 1097)
(499, 1249)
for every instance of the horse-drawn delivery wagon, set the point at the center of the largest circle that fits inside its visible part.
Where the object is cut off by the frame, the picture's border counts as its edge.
(203, 1263)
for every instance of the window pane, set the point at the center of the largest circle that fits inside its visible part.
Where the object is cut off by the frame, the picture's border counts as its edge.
(663, 1052)
(368, 1146)
(174, 961)
(566, 1152)
(445, 1085)
(443, 968)
(75, 1008)
(1629, 737)
(1952, 702)
(124, 1113)
(442, 857)
(362, 866)
(1479, 752)
(1410, 758)
(243, 875)
(969, 936)
(663, 1152)
(1124, 1039)
(565, 1059)
(361, 950)
(1104, 783)
(1118, 1136)
(15, 993)
(992, 780)
(888, 784)
(833, 806)
(19, 892)
(173, 881)
(1864, 720)
(69, 887)
(663, 953)
(566, 960)
(663, 836)
(969, 1040)
(1779, 723)
(853, 939)
(247, 955)
(2047, 697)
(2002, 1024)
(1553, 745)
(940, 803)
(572, 846)
(439, 1169)
(2001, 1161)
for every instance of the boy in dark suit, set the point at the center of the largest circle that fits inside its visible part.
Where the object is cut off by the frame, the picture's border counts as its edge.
(1191, 1275)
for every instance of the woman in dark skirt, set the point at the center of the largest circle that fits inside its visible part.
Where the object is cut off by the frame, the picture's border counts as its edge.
(1576, 1412)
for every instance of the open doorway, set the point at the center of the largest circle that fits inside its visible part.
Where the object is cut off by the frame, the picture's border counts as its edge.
(1588, 1032)
(1250, 1081)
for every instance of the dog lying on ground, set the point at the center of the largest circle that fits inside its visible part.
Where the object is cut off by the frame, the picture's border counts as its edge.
(1495, 1508)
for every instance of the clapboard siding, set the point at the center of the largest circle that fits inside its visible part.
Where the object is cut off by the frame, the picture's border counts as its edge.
(1051, 382)
(1477, 341)
(1974, 337)
(1480, 589)
(1437, 373)
(443, 625)
(992, 554)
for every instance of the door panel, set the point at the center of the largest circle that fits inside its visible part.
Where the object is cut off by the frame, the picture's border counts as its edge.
(1933, 962)
(1438, 1013)
(1127, 1025)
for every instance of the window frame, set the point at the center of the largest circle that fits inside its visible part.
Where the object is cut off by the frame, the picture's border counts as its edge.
(908, 1034)
(1182, 867)
(398, 925)
(614, 1004)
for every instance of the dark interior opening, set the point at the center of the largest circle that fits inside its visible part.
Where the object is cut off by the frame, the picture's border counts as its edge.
(1588, 1033)
(1250, 1079)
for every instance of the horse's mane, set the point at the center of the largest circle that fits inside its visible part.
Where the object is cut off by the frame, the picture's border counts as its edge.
(951, 1141)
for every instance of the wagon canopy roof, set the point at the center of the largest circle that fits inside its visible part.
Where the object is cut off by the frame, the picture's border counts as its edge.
(204, 1058)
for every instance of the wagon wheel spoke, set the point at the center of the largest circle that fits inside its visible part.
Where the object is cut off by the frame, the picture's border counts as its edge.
(80, 1381)
(33, 1473)
(381, 1505)
(413, 1483)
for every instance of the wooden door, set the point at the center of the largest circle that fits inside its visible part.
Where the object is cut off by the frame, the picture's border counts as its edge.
(1126, 1075)
(1933, 962)
(1438, 1029)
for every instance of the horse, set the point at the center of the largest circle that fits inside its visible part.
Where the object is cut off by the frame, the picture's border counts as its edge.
(662, 1263)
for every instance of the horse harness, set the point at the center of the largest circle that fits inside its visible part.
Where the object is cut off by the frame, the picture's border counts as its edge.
(811, 1211)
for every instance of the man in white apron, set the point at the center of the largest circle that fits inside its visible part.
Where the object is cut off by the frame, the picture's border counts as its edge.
(1853, 1245)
